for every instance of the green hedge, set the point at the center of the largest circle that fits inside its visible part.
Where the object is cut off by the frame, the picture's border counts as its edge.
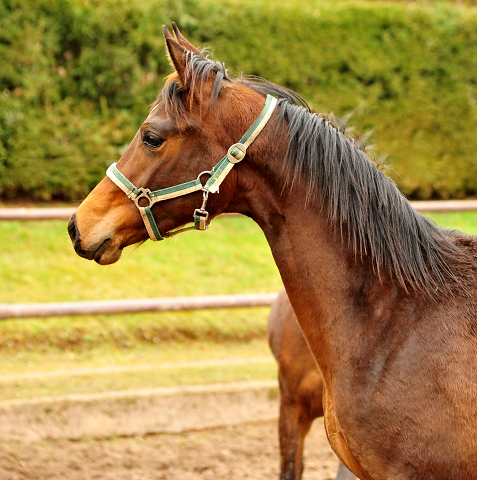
(76, 78)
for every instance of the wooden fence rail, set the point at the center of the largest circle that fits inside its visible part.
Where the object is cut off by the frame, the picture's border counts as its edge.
(134, 305)
(36, 213)
(65, 212)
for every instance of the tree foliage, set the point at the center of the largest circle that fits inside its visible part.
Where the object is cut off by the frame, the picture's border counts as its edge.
(76, 78)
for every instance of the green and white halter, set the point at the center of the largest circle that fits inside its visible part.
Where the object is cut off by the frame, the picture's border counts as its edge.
(235, 154)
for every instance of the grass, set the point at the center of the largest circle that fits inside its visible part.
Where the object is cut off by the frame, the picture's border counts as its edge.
(139, 379)
(129, 330)
(38, 265)
(26, 362)
(463, 221)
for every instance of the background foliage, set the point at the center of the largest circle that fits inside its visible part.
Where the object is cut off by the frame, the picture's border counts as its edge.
(76, 78)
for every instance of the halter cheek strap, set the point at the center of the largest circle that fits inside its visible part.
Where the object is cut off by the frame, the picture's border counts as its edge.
(235, 154)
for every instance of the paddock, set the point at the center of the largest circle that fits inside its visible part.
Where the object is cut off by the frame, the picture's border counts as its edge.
(218, 452)
(247, 450)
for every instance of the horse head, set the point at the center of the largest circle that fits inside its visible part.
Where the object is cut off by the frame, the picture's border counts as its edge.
(163, 179)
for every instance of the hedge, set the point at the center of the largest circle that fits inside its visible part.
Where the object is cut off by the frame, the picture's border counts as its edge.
(76, 78)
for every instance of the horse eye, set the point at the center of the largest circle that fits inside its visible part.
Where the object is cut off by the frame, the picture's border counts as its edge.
(151, 140)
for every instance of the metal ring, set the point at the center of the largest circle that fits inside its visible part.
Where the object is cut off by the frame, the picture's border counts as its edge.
(144, 193)
(240, 155)
(208, 172)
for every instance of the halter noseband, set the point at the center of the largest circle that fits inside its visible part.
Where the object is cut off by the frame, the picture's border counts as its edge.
(235, 154)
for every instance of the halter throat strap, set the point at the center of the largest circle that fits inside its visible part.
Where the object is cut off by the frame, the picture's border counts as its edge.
(145, 198)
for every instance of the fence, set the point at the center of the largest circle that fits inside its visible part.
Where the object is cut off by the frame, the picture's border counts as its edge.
(158, 304)
(135, 305)
(66, 212)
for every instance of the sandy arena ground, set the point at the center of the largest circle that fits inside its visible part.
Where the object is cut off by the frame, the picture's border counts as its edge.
(247, 451)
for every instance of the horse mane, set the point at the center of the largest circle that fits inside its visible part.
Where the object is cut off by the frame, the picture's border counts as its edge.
(374, 217)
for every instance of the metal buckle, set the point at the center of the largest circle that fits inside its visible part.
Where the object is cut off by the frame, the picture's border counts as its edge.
(236, 157)
(200, 219)
(201, 215)
(208, 172)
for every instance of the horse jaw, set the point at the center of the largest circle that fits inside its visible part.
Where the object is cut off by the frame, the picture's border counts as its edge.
(108, 257)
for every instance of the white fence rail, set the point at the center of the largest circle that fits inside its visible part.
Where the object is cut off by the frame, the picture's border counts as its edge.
(134, 305)
(66, 212)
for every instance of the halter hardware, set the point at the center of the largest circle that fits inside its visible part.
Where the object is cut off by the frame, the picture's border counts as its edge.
(235, 154)
(144, 194)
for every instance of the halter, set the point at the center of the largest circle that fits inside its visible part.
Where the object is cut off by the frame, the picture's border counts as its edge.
(235, 154)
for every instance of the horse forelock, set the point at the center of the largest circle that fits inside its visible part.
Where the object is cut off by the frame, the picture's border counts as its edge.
(202, 83)
(201, 71)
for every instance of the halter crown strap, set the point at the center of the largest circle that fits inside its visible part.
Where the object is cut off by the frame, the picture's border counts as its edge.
(235, 154)
(237, 151)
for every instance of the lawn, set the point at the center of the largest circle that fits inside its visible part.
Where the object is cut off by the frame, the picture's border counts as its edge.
(39, 265)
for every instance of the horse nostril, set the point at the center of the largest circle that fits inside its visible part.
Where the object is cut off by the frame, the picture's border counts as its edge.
(76, 240)
(72, 230)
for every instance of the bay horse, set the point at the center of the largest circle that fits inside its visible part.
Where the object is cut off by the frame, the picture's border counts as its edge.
(386, 300)
(301, 388)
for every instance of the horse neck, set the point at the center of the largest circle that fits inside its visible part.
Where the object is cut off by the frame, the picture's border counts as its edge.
(338, 300)
(323, 279)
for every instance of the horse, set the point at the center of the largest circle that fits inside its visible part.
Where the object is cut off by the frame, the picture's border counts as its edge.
(301, 388)
(386, 299)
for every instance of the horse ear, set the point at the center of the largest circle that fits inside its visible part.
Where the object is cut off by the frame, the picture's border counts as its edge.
(176, 53)
(183, 41)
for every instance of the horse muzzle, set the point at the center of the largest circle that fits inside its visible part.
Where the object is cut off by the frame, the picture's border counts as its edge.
(102, 252)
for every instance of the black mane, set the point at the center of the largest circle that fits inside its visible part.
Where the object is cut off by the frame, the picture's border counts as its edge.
(375, 219)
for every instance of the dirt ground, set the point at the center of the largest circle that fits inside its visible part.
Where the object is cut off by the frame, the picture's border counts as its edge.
(248, 451)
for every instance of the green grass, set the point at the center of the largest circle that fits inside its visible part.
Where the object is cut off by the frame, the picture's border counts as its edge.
(27, 361)
(155, 378)
(38, 264)
(463, 221)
